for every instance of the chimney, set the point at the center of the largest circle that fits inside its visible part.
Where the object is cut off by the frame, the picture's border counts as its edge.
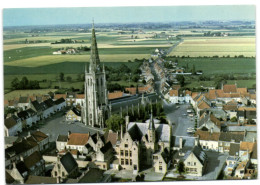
(21, 158)
(211, 130)
(29, 134)
(14, 165)
(180, 141)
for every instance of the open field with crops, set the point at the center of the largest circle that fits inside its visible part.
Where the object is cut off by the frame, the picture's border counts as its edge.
(17, 93)
(216, 46)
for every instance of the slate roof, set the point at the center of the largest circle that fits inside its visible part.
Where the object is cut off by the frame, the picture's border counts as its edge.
(111, 137)
(68, 162)
(59, 101)
(78, 139)
(254, 152)
(32, 159)
(31, 112)
(234, 149)
(95, 137)
(161, 130)
(49, 102)
(62, 138)
(242, 128)
(11, 121)
(106, 147)
(94, 175)
(76, 111)
(10, 139)
(19, 147)
(23, 99)
(8, 178)
(225, 136)
(199, 153)
(135, 133)
(187, 142)
(39, 136)
(23, 115)
(36, 105)
(40, 180)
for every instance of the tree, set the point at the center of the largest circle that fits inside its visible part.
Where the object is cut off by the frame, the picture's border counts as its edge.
(137, 91)
(79, 77)
(135, 78)
(144, 82)
(193, 70)
(181, 79)
(68, 78)
(114, 122)
(234, 119)
(61, 76)
(24, 83)
(15, 83)
(180, 167)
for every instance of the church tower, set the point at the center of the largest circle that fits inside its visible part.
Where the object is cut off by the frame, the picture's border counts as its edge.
(151, 130)
(95, 88)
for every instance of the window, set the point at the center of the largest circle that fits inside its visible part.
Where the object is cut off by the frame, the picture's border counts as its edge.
(122, 152)
(63, 174)
(126, 161)
(130, 161)
(122, 161)
(130, 153)
(56, 174)
(126, 153)
(155, 157)
(188, 163)
(160, 163)
(126, 145)
(194, 163)
(160, 168)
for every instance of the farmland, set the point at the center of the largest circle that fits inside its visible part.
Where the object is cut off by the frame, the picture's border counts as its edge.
(216, 46)
(30, 54)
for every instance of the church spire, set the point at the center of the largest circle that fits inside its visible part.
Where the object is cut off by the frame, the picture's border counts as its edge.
(94, 58)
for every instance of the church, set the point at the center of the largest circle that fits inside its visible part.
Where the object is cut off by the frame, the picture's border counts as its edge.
(96, 102)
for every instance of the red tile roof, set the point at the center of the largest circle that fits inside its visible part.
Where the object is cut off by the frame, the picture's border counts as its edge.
(203, 105)
(80, 96)
(173, 92)
(132, 90)
(230, 88)
(78, 139)
(57, 96)
(115, 95)
(206, 135)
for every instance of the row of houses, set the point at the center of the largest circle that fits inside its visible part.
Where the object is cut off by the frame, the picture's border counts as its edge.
(32, 112)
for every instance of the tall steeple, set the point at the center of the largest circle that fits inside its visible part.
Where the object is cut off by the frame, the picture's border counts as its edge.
(94, 58)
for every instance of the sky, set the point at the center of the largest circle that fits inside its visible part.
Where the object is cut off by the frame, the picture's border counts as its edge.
(52, 16)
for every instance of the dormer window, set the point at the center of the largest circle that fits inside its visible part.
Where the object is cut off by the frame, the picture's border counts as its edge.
(126, 145)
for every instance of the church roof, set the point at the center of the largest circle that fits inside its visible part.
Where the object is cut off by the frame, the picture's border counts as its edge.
(141, 129)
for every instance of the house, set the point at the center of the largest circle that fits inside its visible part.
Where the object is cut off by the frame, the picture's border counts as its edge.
(65, 167)
(73, 115)
(241, 169)
(232, 163)
(195, 161)
(94, 175)
(208, 140)
(19, 172)
(173, 96)
(253, 159)
(59, 104)
(28, 117)
(61, 142)
(209, 122)
(58, 96)
(42, 140)
(77, 141)
(96, 141)
(246, 148)
(161, 161)
(231, 110)
(35, 164)
(23, 102)
(104, 156)
(71, 99)
(49, 106)
(13, 126)
(246, 115)
(10, 140)
(80, 99)
(9, 179)
(36, 106)
(111, 137)
(225, 139)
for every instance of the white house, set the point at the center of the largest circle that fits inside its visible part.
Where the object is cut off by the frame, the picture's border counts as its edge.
(208, 140)
(13, 125)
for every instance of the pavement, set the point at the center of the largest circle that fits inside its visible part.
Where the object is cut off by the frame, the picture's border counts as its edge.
(179, 122)
(57, 124)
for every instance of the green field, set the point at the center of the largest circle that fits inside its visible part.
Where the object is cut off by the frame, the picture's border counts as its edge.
(220, 65)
